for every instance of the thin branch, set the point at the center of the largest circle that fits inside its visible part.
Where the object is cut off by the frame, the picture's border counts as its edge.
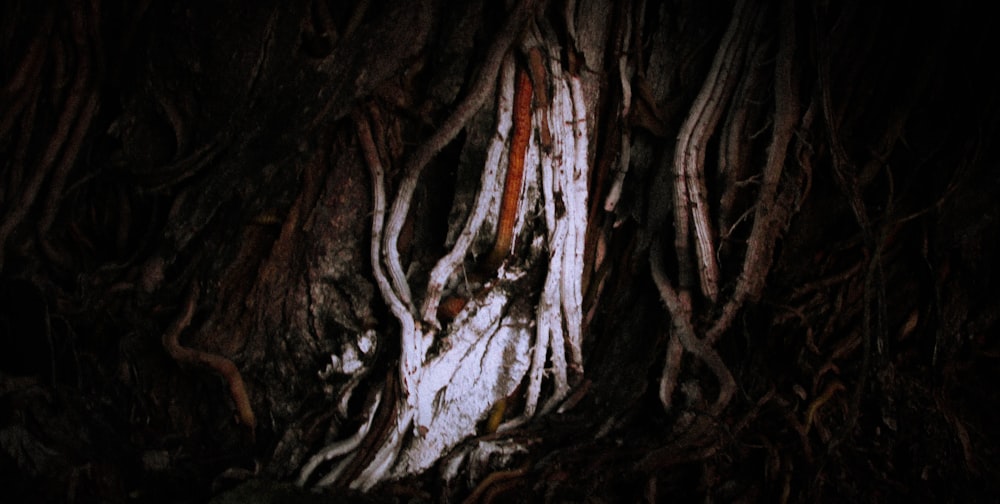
(671, 370)
(67, 119)
(690, 192)
(575, 177)
(733, 147)
(221, 365)
(67, 162)
(625, 73)
(772, 211)
(17, 167)
(385, 456)
(411, 345)
(339, 448)
(679, 306)
(28, 70)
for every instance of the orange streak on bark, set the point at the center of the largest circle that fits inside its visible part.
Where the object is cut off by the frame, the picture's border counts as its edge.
(515, 171)
(450, 307)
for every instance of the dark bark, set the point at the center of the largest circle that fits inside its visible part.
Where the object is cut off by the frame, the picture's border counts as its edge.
(791, 297)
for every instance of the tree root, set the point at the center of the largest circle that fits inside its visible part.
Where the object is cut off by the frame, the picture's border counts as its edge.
(221, 365)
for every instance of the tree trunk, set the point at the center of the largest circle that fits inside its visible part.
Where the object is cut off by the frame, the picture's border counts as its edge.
(715, 250)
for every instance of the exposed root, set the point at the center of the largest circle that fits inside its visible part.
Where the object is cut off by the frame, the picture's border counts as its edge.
(221, 365)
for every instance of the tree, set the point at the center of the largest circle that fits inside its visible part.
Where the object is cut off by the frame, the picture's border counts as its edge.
(547, 248)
